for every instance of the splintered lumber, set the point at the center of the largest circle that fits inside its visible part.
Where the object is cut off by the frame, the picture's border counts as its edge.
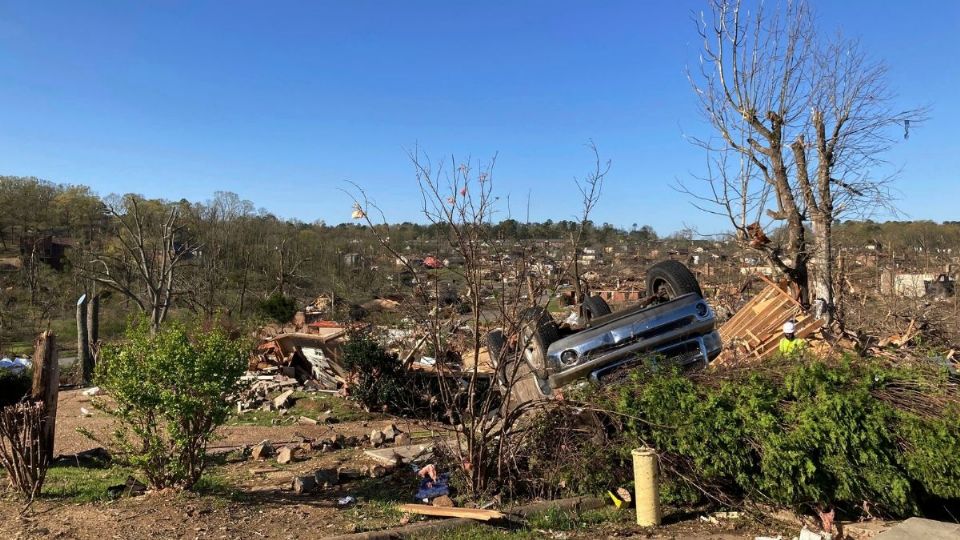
(441, 511)
(757, 328)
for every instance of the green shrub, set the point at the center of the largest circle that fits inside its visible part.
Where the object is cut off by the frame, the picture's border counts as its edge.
(812, 434)
(169, 392)
(279, 308)
(377, 378)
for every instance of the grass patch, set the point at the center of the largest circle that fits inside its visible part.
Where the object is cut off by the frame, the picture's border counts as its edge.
(552, 520)
(83, 484)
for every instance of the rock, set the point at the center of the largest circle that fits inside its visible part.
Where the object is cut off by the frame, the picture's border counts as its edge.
(304, 484)
(390, 433)
(326, 477)
(444, 501)
(261, 451)
(862, 530)
(282, 400)
(304, 447)
(402, 439)
(285, 455)
(307, 421)
(376, 438)
(376, 471)
(345, 473)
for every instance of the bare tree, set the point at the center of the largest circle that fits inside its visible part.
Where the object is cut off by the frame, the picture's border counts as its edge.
(801, 123)
(590, 187)
(498, 291)
(144, 255)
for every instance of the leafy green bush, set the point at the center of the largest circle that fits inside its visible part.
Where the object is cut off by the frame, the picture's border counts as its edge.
(812, 434)
(377, 378)
(169, 392)
(279, 307)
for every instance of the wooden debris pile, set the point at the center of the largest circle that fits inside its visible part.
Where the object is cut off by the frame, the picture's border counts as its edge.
(304, 357)
(755, 330)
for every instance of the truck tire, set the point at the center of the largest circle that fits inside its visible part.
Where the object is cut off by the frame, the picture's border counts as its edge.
(670, 279)
(537, 333)
(593, 307)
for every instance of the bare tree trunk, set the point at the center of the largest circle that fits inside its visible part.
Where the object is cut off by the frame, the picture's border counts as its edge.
(46, 386)
(83, 341)
(821, 275)
(93, 334)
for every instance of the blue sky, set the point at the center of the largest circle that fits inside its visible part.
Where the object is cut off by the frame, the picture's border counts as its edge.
(282, 102)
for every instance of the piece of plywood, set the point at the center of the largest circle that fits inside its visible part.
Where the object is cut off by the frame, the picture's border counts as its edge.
(440, 511)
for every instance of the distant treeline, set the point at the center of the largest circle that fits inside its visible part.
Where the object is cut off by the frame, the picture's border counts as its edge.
(58, 241)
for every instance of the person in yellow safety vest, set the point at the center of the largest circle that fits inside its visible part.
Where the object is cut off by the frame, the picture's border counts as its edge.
(790, 344)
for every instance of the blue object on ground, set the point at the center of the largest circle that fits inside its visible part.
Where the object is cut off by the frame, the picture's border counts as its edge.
(430, 489)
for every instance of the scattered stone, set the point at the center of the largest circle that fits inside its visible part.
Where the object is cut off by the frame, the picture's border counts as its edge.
(304, 484)
(261, 451)
(285, 455)
(402, 439)
(376, 438)
(443, 501)
(326, 478)
(304, 446)
(282, 400)
(307, 421)
(390, 433)
(863, 530)
(92, 391)
(376, 471)
(345, 473)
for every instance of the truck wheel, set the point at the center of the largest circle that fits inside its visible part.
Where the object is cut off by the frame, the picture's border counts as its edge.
(670, 279)
(593, 307)
(537, 333)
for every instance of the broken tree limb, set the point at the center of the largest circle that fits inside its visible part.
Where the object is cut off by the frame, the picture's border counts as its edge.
(46, 386)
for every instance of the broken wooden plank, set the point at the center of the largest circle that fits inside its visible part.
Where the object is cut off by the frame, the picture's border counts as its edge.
(440, 511)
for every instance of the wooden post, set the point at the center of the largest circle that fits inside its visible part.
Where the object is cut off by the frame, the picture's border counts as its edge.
(83, 345)
(46, 386)
(93, 331)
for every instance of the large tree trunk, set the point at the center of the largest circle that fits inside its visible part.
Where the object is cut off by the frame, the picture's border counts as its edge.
(83, 343)
(821, 275)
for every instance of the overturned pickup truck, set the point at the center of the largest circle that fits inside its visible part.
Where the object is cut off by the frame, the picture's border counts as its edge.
(673, 322)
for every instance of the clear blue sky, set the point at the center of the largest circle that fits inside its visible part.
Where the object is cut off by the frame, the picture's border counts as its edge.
(281, 102)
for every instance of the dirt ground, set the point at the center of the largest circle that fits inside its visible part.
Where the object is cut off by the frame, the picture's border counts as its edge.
(250, 499)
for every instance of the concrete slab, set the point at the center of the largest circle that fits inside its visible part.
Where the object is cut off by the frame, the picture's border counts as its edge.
(927, 529)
